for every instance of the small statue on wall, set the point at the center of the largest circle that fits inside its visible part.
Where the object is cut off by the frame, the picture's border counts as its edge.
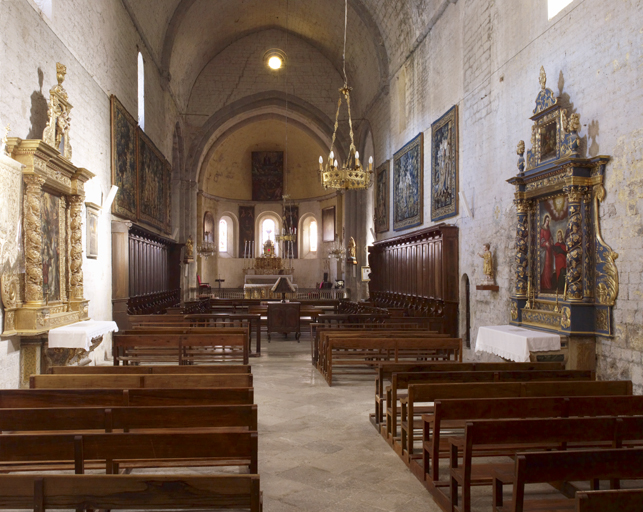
(520, 150)
(56, 133)
(487, 266)
(189, 250)
(352, 252)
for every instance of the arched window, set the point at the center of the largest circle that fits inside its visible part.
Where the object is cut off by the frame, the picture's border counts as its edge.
(309, 236)
(268, 228)
(555, 6)
(223, 236)
(141, 91)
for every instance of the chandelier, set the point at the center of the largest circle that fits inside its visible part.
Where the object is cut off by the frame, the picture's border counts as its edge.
(207, 247)
(337, 251)
(351, 176)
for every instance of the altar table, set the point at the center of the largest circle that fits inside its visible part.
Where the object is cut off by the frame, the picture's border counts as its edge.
(515, 343)
(80, 334)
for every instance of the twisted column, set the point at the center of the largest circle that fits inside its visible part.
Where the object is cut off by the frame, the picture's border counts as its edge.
(33, 238)
(522, 269)
(76, 247)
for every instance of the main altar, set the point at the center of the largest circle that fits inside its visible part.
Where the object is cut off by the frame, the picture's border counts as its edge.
(261, 274)
(566, 280)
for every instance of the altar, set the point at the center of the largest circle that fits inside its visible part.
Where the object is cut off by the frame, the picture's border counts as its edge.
(259, 286)
(515, 343)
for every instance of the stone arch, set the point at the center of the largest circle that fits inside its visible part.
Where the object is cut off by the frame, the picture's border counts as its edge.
(233, 236)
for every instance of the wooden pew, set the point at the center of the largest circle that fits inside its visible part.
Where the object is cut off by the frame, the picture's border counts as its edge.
(368, 352)
(229, 319)
(508, 437)
(25, 398)
(235, 380)
(132, 450)
(386, 369)
(423, 393)
(114, 418)
(456, 412)
(130, 492)
(559, 466)
(187, 348)
(401, 381)
(630, 500)
(152, 370)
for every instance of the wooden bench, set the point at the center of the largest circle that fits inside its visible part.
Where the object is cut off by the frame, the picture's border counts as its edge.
(400, 381)
(423, 393)
(366, 353)
(29, 452)
(25, 398)
(114, 418)
(130, 492)
(560, 466)
(507, 437)
(630, 500)
(229, 319)
(453, 414)
(188, 348)
(234, 380)
(152, 370)
(385, 371)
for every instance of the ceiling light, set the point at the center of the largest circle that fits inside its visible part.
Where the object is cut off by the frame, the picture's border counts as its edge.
(274, 62)
(275, 59)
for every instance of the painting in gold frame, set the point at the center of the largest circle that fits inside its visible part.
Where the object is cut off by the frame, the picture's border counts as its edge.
(123, 133)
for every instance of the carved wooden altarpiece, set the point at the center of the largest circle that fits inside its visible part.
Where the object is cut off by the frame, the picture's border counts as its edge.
(50, 291)
(566, 280)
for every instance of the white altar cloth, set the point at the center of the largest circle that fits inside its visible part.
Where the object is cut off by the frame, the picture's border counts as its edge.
(80, 334)
(515, 343)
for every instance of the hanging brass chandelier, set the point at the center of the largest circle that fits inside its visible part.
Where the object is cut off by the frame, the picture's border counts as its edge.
(351, 176)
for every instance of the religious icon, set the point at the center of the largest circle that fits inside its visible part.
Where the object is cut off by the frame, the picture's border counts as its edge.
(487, 266)
(560, 259)
(552, 244)
(352, 252)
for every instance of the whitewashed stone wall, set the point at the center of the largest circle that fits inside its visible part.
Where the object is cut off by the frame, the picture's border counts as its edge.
(485, 57)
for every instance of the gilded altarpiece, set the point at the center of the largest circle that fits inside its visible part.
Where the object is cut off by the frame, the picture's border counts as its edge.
(566, 279)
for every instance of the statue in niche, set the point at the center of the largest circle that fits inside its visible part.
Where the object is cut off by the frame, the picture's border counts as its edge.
(352, 252)
(487, 265)
(520, 150)
(189, 249)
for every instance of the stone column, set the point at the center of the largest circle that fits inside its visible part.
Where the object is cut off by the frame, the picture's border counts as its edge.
(76, 247)
(33, 239)
(522, 270)
(574, 242)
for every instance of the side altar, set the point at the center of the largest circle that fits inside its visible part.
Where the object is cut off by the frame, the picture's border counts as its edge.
(566, 280)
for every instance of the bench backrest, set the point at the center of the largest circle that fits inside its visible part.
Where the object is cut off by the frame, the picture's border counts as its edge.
(402, 380)
(209, 380)
(116, 418)
(152, 369)
(24, 398)
(131, 492)
(623, 500)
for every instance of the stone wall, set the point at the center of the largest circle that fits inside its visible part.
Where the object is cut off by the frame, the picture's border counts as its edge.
(98, 43)
(485, 58)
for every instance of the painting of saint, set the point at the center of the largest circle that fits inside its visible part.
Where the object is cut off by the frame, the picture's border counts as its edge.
(552, 249)
(267, 175)
(382, 198)
(123, 160)
(246, 228)
(548, 141)
(444, 166)
(407, 185)
(50, 251)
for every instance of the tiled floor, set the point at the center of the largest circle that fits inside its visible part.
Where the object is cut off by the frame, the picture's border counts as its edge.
(318, 451)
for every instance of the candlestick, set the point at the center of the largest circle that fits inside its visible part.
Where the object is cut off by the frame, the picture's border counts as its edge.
(565, 292)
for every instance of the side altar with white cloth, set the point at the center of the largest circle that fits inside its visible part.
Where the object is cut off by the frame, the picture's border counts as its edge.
(564, 272)
(516, 343)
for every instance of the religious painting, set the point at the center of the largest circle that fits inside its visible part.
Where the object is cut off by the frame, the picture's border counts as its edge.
(548, 141)
(328, 224)
(246, 230)
(291, 222)
(382, 198)
(366, 274)
(153, 183)
(267, 175)
(50, 250)
(408, 173)
(123, 132)
(92, 230)
(168, 197)
(444, 166)
(550, 246)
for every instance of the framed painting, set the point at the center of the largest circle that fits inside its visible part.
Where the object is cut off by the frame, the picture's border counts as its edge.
(551, 244)
(444, 166)
(366, 274)
(51, 248)
(267, 175)
(408, 179)
(168, 197)
(152, 183)
(246, 229)
(123, 133)
(92, 230)
(382, 197)
(328, 224)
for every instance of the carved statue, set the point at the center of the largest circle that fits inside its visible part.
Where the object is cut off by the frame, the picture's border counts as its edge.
(520, 150)
(487, 266)
(571, 125)
(56, 132)
(352, 252)
(189, 248)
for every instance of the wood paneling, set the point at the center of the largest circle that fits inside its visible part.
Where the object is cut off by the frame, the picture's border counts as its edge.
(418, 271)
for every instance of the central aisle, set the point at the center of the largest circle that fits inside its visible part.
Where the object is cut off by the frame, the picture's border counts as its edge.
(318, 451)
